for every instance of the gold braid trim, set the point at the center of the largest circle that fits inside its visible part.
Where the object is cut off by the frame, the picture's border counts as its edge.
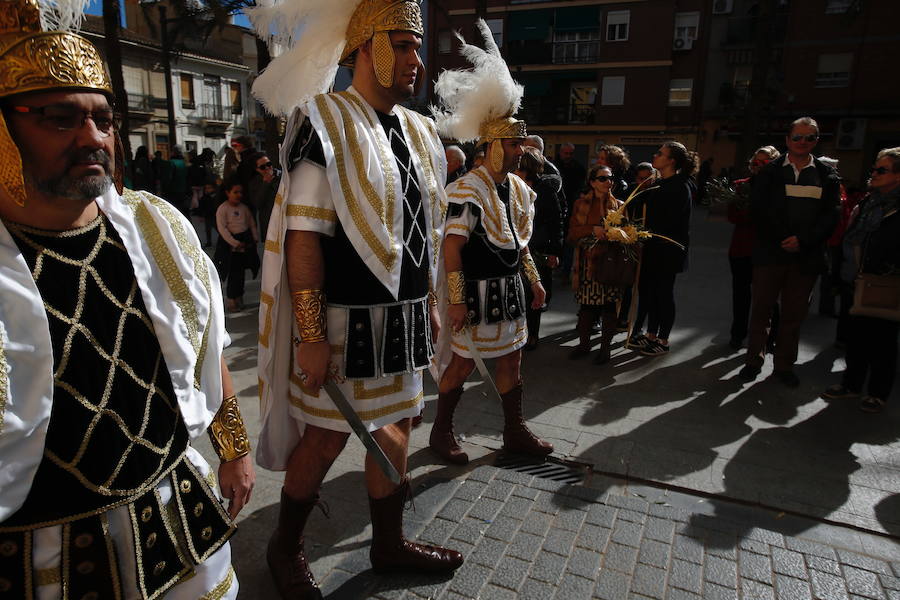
(530, 269)
(456, 287)
(227, 432)
(309, 312)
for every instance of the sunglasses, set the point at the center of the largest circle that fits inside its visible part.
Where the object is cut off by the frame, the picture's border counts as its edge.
(267, 165)
(601, 178)
(879, 170)
(808, 138)
(63, 117)
(758, 163)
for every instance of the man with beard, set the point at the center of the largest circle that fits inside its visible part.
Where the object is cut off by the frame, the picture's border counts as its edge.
(111, 338)
(349, 261)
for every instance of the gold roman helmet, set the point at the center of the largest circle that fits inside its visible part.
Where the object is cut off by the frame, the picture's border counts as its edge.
(374, 19)
(493, 131)
(478, 104)
(35, 59)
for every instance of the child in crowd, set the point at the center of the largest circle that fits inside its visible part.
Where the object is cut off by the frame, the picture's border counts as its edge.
(236, 250)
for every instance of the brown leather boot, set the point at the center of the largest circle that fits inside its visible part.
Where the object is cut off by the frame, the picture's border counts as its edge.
(584, 326)
(391, 551)
(286, 556)
(516, 436)
(443, 440)
(610, 324)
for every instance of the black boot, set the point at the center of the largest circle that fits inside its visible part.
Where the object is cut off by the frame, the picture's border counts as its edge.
(443, 440)
(286, 556)
(610, 325)
(391, 551)
(516, 435)
(586, 320)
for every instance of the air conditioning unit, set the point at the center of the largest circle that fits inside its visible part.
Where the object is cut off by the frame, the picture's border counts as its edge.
(851, 134)
(682, 43)
(722, 7)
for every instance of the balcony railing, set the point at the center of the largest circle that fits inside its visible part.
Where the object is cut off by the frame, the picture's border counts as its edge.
(140, 103)
(547, 112)
(215, 112)
(557, 53)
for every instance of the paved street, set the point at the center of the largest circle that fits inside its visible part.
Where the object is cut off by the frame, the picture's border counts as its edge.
(667, 444)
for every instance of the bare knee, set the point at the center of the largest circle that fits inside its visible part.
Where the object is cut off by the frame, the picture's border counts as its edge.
(325, 443)
(457, 372)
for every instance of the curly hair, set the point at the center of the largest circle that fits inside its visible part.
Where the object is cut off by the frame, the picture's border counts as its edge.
(616, 158)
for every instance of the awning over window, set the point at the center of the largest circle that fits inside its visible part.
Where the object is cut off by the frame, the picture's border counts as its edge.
(577, 18)
(529, 24)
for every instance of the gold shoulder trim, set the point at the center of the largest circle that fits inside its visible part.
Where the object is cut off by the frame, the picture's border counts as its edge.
(386, 255)
(492, 209)
(312, 212)
(221, 588)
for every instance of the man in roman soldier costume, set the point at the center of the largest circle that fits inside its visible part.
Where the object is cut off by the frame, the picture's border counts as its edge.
(351, 252)
(111, 338)
(485, 248)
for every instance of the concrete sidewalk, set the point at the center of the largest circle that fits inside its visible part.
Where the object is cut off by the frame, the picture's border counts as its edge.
(532, 538)
(683, 420)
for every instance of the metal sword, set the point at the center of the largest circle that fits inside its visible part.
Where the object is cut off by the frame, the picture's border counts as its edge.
(362, 433)
(479, 362)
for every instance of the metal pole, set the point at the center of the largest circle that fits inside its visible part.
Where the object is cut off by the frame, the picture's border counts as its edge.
(167, 67)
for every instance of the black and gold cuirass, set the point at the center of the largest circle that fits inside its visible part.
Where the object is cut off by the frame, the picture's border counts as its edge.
(115, 427)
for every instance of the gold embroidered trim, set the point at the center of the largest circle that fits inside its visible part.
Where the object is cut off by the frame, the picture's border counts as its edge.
(496, 223)
(111, 553)
(459, 226)
(221, 588)
(272, 246)
(520, 338)
(361, 393)
(201, 267)
(365, 415)
(312, 212)
(456, 287)
(169, 269)
(268, 302)
(47, 576)
(4, 376)
(477, 338)
(310, 315)
(387, 256)
(227, 432)
(530, 269)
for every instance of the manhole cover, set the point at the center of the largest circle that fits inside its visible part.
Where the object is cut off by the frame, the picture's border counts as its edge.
(550, 468)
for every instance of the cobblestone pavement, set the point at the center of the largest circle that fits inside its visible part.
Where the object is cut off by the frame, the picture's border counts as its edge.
(532, 538)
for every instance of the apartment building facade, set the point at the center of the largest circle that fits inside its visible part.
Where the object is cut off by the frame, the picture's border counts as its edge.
(626, 72)
(211, 82)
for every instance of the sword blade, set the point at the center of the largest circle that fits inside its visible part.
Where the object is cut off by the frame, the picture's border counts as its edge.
(362, 432)
(479, 362)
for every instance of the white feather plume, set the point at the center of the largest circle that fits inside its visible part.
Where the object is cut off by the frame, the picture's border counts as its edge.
(312, 33)
(62, 15)
(483, 93)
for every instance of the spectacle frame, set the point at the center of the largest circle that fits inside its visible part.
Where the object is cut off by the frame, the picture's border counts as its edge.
(601, 178)
(62, 117)
(809, 137)
(879, 170)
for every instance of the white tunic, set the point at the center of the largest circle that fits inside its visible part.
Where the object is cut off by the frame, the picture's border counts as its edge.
(360, 188)
(182, 296)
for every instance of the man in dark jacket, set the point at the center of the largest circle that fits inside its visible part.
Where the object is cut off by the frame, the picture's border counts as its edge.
(793, 204)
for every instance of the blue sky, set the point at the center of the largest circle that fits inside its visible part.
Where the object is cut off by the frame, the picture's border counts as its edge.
(95, 7)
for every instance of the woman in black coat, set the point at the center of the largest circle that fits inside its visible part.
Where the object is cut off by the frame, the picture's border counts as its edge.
(669, 215)
(871, 244)
(546, 242)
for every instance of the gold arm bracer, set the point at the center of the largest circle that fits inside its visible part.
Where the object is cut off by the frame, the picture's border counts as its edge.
(309, 312)
(456, 287)
(530, 269)
(227, 432)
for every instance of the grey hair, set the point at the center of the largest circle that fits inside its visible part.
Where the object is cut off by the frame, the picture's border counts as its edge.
(456, 151)
(770, 151)
(808, 121)
(893, 154)
(567, 145)
(535, 141)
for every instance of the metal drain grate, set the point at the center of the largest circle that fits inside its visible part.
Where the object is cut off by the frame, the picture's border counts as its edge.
(551, 468)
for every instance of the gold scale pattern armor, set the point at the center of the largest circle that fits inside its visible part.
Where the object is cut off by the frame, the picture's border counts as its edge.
(227, 432)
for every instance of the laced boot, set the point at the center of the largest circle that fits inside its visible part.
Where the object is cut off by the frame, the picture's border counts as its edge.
(443, 440)
(391, 551)
(516, 436)
(285, 554)
(610, 325)
(584, 326)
